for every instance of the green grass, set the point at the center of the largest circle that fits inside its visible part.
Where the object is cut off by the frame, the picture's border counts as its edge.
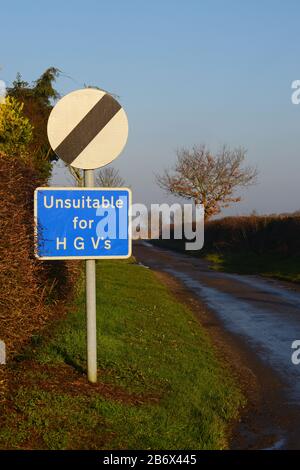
(161, 385)
(270, 265)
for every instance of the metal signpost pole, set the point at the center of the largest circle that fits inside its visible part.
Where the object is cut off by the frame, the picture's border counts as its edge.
(87, 129)
(90, 286)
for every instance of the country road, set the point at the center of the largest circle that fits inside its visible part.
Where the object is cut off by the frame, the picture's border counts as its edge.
(259, 319)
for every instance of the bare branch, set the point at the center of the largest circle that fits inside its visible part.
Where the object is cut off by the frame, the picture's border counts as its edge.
(109, 177)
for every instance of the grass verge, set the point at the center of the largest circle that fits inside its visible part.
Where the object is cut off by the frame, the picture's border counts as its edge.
(269, 265)
(160, 384)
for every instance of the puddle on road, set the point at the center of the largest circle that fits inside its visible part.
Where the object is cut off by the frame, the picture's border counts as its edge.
(269, 333)
(263, 286)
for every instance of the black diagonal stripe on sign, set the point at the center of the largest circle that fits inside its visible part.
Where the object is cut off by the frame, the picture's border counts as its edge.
(85, 131)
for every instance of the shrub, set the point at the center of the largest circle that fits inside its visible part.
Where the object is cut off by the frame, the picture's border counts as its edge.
(31, 291)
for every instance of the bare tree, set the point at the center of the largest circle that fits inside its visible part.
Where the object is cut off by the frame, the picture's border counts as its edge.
(77, 175)
(208, 179)
(109, 177)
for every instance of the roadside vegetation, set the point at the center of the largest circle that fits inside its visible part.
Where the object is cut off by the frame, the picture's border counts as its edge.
(32, 292)
(268, 265)
(266, 245)
(160, 384)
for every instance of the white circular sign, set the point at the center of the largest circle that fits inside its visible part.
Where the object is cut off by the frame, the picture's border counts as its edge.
(87, 128)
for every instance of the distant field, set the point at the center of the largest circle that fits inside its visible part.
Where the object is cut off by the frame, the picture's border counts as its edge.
(160, 384)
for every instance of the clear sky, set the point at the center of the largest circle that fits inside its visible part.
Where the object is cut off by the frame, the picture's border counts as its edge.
(186, 71)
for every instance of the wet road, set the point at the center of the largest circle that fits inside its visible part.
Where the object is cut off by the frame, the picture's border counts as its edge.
(264, 314)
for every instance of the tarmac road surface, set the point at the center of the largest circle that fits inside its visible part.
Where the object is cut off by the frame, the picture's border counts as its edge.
(262, 317)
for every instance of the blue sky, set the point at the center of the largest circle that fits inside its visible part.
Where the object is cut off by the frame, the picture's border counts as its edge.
(187, 72)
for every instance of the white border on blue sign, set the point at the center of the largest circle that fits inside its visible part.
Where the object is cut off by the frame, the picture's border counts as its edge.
(51, 188)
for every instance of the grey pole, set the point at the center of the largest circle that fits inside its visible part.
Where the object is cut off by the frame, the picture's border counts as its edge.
(90, 286)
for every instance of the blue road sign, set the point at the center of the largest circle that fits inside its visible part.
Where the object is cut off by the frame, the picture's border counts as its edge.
(86, 223)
